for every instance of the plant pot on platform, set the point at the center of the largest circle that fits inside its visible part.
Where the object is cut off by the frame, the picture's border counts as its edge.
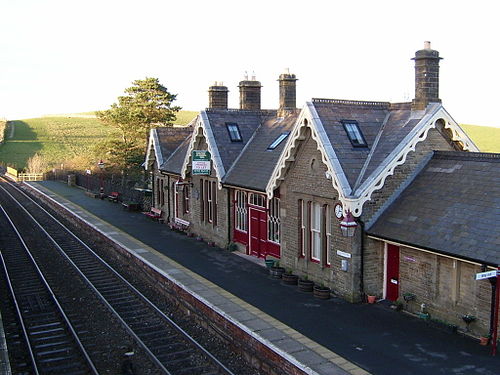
(305, 285)
(289, 279)
(269, 263)
(276, 272)
(484, 340)
(321, 292)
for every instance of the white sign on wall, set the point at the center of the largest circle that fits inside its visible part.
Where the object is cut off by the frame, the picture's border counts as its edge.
(486, 275)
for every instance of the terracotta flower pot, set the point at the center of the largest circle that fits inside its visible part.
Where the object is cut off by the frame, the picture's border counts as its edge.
(484, 340)
(371, 299)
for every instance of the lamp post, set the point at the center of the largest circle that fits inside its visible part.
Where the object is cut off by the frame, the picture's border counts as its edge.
(348, 225)
(101, 189)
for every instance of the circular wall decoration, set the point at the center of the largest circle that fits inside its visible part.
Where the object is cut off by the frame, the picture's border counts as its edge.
(339, 211)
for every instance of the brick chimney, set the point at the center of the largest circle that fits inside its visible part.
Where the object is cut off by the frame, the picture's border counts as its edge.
(217, 96)
(250, 93)
(288, 89)
(426, 77)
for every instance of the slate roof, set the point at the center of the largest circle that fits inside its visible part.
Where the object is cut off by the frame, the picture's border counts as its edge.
(170, 138)
(255, 165)
(247, 121)
(174, 162)
(384, 126)
(452, 207)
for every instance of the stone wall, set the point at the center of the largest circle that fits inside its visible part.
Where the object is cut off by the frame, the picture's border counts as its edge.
(306, 180)
(446, 286)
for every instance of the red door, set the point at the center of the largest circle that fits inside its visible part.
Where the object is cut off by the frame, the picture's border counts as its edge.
(392, 285)
(258, 232)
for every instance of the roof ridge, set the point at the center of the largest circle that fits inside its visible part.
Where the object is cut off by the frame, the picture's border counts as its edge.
(490, 156)
(352, 102)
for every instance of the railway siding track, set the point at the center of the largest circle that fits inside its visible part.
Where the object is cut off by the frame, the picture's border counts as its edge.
(168, 346)
(53, 344)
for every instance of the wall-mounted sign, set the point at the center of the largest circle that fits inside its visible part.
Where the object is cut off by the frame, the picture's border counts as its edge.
(486, 275)
(201, 162)
(343, 254)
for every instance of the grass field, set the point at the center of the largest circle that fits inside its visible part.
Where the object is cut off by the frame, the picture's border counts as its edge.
(486, 138)
(70, 139)
(61, 139)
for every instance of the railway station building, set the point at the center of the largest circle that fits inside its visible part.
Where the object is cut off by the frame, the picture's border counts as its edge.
(374, 198)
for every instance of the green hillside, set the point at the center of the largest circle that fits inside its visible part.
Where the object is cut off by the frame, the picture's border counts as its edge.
(487, 139)
(61, 139)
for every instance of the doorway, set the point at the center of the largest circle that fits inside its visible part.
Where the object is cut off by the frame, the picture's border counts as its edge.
(392, 272)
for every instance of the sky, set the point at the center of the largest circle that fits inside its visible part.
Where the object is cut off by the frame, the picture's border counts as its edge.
(60, 56)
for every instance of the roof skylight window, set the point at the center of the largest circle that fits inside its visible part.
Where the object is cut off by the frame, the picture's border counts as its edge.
(234, 132)
(354, 133)
(278, 140)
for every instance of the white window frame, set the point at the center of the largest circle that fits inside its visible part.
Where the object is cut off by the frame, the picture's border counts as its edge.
(328, 233)
(185, 195)
(273, 221)
(316, 231)
(241, 210)
(302, 228)
(257, 200)
(210, 208)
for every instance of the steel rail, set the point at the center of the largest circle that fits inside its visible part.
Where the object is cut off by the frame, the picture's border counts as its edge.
(210, 356)
(53, 296)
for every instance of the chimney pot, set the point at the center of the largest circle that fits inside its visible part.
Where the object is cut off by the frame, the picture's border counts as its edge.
(217, 96)
(250, 94)
(288, 92)
(426, 77)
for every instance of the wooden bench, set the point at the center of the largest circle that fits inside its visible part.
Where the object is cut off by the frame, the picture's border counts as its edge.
(131, 206)
(180, 224)
(113, 197)
(155, 214)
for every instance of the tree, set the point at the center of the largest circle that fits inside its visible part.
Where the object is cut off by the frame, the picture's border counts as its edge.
(36, 164)
(147, 104)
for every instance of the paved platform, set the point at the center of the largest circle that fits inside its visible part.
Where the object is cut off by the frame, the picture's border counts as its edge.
(321, 337)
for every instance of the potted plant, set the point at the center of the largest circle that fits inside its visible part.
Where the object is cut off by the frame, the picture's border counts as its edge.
(269, 262)
(321, 291)
(484, 340)
(289, 278)
(305, 285)
(276, 271)
(371, 299)
(409, 297)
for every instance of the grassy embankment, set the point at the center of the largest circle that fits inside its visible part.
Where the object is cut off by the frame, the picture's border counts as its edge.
(61, 139)
(486, 138)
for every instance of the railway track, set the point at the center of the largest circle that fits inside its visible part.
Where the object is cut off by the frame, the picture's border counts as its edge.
(170, 349)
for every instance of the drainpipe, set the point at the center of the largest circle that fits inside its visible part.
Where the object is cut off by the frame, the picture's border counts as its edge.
(493, 282)
(229, 221)
(168, 198)
(362, 262)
